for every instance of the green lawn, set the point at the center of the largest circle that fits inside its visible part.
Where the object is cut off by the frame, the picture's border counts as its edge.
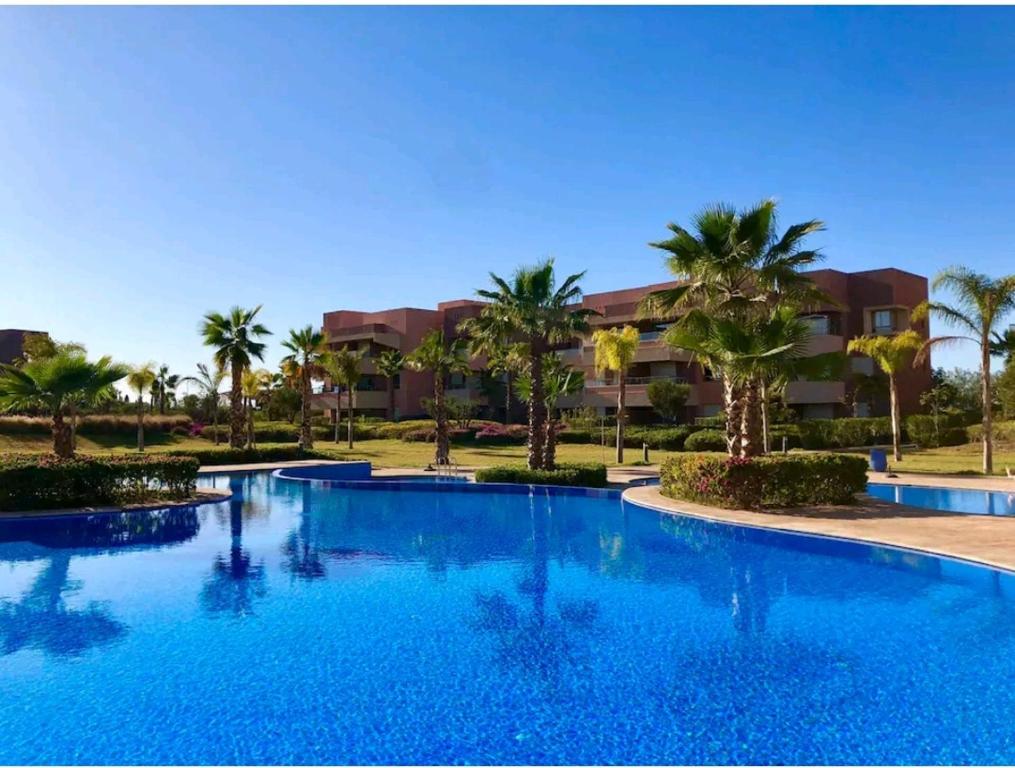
(960, 458)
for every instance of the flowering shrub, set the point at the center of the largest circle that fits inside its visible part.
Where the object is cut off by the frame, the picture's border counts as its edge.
(32, 481)
(767, 481)
(499, 434)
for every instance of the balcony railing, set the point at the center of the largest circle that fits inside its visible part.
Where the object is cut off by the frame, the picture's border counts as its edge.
(633, 381)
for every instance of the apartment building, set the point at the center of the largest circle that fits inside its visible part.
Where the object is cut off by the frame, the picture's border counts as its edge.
(871, 302)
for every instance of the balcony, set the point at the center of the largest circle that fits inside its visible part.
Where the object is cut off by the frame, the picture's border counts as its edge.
(815, 392)
(367, 400)
(377, 332)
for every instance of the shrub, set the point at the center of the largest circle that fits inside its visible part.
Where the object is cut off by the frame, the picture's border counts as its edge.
(102, 424)
(706, 440)
(921, 430)
(499, 434)
(584, 475)
(32, 481)
(218, 456)
(767, 481)
(579, 436)
(816, 434)
(658, 438)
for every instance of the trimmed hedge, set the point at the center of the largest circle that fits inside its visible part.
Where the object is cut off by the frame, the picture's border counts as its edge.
(816, 434)
(766, 481)
(100, 424)
(583, 475)
(217, 456)
(920, 429)
(33, 481)
(706, 440)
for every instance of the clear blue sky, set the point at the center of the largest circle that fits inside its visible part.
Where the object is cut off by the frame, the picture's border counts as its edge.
(158, 163)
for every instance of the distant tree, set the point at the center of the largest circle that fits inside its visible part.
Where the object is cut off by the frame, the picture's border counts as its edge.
(51, 382)
(140, 380)
(441, 358)
(344, 366)
(308, 348)
(389, 365)
(234, 339)
(36, 346)
(615, 351)
(164, 387)
(252, 384)
(559, 380)
(892, 354)
(669, 398)
(1005, 383)
(209, 382)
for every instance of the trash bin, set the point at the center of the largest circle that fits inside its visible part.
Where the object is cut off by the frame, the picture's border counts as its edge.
(879, 460)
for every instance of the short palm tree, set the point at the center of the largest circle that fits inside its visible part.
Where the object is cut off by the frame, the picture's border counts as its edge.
(559, 380)
(209, 381)
(981, 304)
(892, 354)
(140, 380)
(164, 386)
(441, 358)
(307, 348)
(615, 351)
(234, 339)
(52, 383)
(533, 310)
(252, 383)
(389, 365)
(344, 367)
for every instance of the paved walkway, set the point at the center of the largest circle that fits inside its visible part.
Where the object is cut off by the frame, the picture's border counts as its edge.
(988, 540)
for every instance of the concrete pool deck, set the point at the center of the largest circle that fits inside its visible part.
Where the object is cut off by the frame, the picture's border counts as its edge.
(978, 538)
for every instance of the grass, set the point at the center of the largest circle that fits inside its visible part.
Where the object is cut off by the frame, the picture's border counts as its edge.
(398, 454)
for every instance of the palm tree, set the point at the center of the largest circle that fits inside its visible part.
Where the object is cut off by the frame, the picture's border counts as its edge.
(735, 266)
(252, 384)
(234, 337)
(307, 348)
(140, 380)
(51, 383)
(981, 304)
(534, 311)
(390, 364)
(559, 380)
(343, 366)
(209, 381)
(442, 358)
(164, 386)
(615, 351)
(891, 354)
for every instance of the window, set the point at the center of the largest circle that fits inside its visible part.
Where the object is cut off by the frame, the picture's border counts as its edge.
(883, 321)
(819, 325)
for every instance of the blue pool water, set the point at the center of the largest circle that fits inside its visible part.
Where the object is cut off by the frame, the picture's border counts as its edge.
(947, 499)
(308, 623)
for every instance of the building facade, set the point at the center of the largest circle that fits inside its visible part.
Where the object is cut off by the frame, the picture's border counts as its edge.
(871, 302)
(12, 343)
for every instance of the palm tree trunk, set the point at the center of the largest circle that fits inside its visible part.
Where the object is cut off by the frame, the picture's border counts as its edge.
(215, 417)
(550, 444)
(62, 445)
(621, 414)
(750, 420)
(391, 398)
(73, 408)
(352, 407)
(507, 398)
(251, 443)
(236, 420)
(338, 413)
(732, 405)
(765, 442)
(306, 436)
(988, 417)
(893, 393)
(440, 418)
(537, 410)
(140, 423)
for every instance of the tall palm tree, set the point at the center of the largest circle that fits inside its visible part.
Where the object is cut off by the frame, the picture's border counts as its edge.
(51, 383)
(891, 354)
(536, 312)
(491, 337)
(442, 358)
(234, 338)
(390, 364)
(307, 348)
(615, 351)
(209, 381)
(164, 386)
(736, 266)
(140, 379)
(559, 380)
(981, 303)
(252, 384)
(344, 367)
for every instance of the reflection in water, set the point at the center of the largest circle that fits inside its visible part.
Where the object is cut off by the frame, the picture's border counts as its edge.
(42, 619)
(235, 581)
(536, 640)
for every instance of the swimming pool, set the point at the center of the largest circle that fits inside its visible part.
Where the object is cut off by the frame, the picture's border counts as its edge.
(947, 499)
(302, 623)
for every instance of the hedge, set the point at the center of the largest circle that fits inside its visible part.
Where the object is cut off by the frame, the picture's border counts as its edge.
(767, 481)
(921, 429)
(218, 456)
(34, 481)
(706, 440)
(101, 424)
(584, 475)
(816, 434)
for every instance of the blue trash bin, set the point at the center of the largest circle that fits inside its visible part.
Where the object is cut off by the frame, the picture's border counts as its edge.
(879, 460)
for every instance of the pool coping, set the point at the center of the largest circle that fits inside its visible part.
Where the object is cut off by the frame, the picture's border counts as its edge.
(977, 539)
(994, 483)
(202, 496)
